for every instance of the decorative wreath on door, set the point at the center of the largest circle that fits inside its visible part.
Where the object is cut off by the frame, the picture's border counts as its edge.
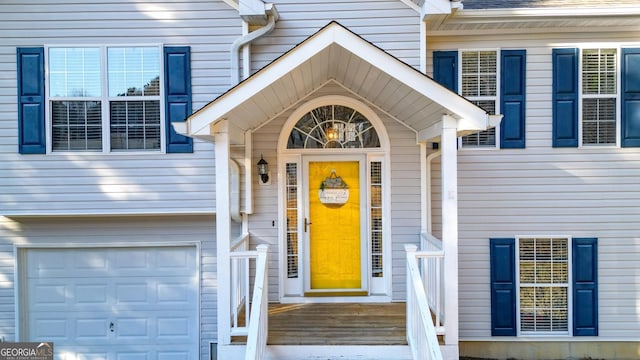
(333, 190)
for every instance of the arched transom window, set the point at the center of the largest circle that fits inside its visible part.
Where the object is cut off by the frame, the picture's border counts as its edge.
(333, 126)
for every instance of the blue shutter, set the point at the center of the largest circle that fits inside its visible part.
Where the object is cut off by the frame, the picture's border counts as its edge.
(512, 98)
(565, 97)
(630, 97)
(177, 75)
(502, 253)
(585, 286)
(31, 124)
(445, 69)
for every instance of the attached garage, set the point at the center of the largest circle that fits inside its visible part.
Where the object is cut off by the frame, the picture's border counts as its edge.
(112, 303)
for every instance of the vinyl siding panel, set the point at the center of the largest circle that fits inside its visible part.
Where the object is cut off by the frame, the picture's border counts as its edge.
(299, 20)
(579, 192)
(135, 183)
(405, 184)
(109, 231)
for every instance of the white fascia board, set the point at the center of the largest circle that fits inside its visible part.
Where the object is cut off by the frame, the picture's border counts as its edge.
(180, 127)
(496, 14)
(252, 7)
(433, 7)
(412, 5)
(455, 104)
(232, 3)
(432, 133)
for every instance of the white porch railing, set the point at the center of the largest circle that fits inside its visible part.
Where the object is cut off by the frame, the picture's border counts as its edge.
(240, 285)
(421, 333)
(258, 320)
(432, 270)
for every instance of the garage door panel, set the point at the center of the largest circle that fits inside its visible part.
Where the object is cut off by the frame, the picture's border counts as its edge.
(67, 294)
(133, 356)
(53, 329)
(149, 294)
(172, 355)
(89, 329)
(55, 263)
(133, 329)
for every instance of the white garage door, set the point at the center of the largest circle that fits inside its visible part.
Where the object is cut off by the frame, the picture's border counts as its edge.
(114, 303)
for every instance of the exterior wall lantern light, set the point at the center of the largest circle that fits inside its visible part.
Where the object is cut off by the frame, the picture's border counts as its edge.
(263, 170)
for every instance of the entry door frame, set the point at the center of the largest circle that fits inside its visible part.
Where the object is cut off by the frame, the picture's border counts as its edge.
(364, 218)
(291, 290)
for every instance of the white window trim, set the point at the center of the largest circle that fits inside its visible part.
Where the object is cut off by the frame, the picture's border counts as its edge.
(569, 332)
(480, 98)
(105, 99)
(618, 96)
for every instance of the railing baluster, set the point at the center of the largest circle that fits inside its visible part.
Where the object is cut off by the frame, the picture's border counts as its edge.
(421, 333)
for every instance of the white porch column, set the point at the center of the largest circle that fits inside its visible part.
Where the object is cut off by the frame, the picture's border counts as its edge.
(223, 230)
(449, 179)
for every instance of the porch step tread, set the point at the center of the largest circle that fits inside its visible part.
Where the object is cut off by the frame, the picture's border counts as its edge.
(337, 324)
(323, 352)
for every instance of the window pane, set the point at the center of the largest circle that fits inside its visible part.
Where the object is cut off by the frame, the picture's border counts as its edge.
(599, 121)
(291, 184)
(74, 72)
(134, 71)
(479, 84)
(543, 292)
(135, 125)
(376, 219)
(599, 71)
(76, 125)
(333, 126)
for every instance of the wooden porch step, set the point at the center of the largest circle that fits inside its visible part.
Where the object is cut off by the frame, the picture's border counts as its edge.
(337, 324)
(338, 352)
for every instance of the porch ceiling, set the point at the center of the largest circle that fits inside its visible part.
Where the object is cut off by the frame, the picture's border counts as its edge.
(335, 53)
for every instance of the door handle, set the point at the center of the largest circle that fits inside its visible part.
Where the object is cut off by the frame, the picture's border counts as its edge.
(111, 327)
(306, 223)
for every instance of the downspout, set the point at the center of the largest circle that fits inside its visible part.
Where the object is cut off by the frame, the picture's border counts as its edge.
(244, 40)
(429, 207)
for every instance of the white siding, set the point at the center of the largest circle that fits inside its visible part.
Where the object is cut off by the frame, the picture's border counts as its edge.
(110, 231)
(405, 185)
(388, 24)
(540, 190)
(113, 183)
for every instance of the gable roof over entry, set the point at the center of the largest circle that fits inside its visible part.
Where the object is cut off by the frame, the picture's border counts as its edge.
(336, 54)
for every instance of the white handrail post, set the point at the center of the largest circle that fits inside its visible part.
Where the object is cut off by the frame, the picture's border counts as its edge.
(258, 326)
(449, 181)
(411, 252)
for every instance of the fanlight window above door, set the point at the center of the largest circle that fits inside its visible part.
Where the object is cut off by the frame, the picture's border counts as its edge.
(333, 126)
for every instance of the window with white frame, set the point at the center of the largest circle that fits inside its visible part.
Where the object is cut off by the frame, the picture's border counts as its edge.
(599, 96)
(543, 293)
(104, 98)
(479, 84)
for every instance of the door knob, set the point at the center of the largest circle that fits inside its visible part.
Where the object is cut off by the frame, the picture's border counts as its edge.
(111, 327)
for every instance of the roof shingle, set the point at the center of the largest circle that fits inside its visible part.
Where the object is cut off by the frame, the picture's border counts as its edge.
(519, 4)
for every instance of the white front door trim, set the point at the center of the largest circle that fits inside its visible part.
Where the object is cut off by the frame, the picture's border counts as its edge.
(291, 290)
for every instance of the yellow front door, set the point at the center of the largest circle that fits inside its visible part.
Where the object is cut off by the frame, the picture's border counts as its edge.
(334, 232)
